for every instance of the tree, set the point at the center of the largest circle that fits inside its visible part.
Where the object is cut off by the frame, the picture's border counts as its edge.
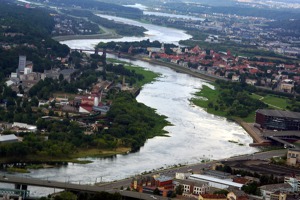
(66, 196)
(179, 189)
(156, 191)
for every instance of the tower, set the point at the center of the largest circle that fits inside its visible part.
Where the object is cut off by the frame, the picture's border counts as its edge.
(22, 63)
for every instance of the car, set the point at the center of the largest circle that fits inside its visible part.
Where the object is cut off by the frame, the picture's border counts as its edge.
(153, 197)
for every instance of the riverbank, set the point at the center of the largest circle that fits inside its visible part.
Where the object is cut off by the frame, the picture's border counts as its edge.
(82, 37)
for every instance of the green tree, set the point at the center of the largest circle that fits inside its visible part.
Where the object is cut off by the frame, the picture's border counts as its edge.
(66, 196)
(156, 191)
(179, 189)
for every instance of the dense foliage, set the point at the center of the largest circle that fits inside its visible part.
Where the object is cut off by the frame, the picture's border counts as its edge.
(234, 99)
(133, 122)
(85, 196)
(32, 29)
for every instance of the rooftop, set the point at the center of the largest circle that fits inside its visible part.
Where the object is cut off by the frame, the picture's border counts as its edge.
(279, 113)
(5, 138)
(215, 180)
(192, 182)
(276, 187)
(163, 178)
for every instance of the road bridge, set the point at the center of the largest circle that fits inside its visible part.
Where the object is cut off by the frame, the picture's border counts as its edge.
(21, 183)
(285, 143)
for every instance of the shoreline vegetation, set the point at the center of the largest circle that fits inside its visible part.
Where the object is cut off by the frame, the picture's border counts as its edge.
(42, 161)
(83, 37)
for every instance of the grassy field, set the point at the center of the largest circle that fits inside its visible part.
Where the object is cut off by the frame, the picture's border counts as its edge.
(205, 96)
(273, 101)
(149, 76)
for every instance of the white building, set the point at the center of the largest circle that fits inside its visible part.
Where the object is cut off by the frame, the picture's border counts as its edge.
(216, 182)
(268, 190)
(294, 182)
(194, 187)
(182, 176)
(8, 138)
(28, 127)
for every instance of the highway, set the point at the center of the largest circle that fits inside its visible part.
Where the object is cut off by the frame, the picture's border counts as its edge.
(75, 187)
(116, 185)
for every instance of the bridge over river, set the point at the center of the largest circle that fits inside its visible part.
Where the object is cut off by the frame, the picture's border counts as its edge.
(21, 184)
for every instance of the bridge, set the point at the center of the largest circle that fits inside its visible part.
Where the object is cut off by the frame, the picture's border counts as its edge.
(285, 143)
(21, 184)
(96, 50)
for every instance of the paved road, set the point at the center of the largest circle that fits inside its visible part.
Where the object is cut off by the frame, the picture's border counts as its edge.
(74, 187)
(116, 185)
(197, 167)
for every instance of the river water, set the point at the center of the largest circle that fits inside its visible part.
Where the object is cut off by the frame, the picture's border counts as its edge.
(194, 136)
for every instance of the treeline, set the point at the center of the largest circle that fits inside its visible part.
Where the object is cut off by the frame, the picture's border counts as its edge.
(120, 69)
(108, 8)
(34, 22)
(235, 100)
(84, 196)
(120, 28)
(139, 47)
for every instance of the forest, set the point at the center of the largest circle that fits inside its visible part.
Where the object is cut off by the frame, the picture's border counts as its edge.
(33, 27)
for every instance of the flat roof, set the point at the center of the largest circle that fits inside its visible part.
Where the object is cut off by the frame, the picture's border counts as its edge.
(5, 138)
(279, 113)
(215, 180)
(281, 133)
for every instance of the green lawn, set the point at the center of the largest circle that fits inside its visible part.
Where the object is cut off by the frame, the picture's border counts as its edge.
(205, 96)
(149, 76)
(273, 101)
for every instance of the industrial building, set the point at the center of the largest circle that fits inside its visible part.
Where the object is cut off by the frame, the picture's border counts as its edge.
(278, 119)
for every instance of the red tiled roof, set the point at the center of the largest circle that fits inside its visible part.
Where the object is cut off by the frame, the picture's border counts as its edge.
(86, 107)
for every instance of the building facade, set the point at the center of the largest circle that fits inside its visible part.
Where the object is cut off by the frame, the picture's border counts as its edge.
(278, 119)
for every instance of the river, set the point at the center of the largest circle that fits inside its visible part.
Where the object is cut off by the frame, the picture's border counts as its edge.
(194, 136)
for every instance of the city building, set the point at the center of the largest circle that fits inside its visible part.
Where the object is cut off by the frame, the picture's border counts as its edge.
(8, 138)
(293, 157)
(216, 182)
(294, 182)
(278, 119)
(22, 63)
(212, 197)
(194, 187)
(276, 191)
(22, 127)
